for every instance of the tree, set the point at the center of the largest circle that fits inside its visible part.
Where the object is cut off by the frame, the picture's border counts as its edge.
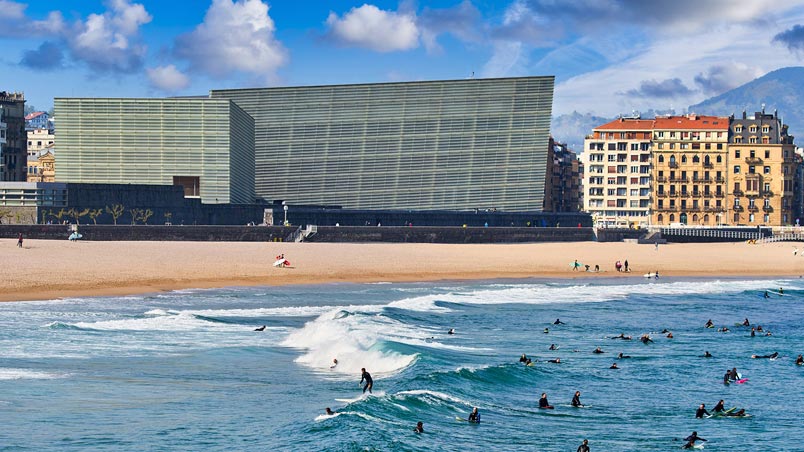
(77, 214)
(4, 213)
(168, 217)
(135, 215)
(115, 211)
(94, 214)
(59, 215)
(145, 215)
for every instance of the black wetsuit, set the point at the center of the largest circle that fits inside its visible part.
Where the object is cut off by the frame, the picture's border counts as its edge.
(474, 417)
(576, 401)
(719, 407)
(523, 359)
(543, 403)
(699, 413)
(693, 438)
(583, 448)
(369, 382)
(727, 378)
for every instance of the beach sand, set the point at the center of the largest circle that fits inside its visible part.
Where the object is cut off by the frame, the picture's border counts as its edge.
(45, 269)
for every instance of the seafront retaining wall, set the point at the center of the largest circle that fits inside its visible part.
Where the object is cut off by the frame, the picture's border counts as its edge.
(330, 234)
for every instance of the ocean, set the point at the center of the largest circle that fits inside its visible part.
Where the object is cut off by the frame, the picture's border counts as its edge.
(185, 370)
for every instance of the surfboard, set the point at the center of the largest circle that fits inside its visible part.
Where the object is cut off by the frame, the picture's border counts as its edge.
(465, 420)
(649, 275)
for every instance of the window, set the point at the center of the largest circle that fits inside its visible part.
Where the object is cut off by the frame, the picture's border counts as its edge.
(695, 159)
(661, 159)
(737, 153)
(766, 186)
(660, 146)
(752, 153)
(736, 217)
(752, 169)
(753, 128)
(765, 129)
(736, 169)
(750, 217)
(683, 159)
(707, 146)
(752, 140)
(766, 218)
(736, 202)
(719, 145)
(767, 202)
(738, 140)
(767, 154)
(672, 218)
(719, 159)
(660, 218)
(766, 169)
(672, 145)
(738, 128)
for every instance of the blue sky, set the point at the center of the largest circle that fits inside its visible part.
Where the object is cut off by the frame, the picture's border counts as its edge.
(608, 56)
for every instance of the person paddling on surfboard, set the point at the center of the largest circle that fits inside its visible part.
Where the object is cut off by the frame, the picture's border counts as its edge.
(543, 403)
(576, 399)
(329, 412)
(369, 382)
(691, 440)
(701, 411)
(746, 322)
(800, 361)
(719, 407)
(709, 324)
(773, 355)
(584, 447)
(706, 354)
(558, 322)
(474, 416)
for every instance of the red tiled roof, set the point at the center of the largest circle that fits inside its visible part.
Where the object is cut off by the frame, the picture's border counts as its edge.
(627, 124)
(692, 122)
(33, 115)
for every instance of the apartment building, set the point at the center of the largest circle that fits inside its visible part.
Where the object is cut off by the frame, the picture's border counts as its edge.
(690, 169)
(617, 172)
(762, 171)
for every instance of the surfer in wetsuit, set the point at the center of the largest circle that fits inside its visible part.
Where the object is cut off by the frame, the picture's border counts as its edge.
(739, 413)
(767, 295)
(330, 412)
(369, 382)
(576, 399)
(553, 347)
(733, 374)
(709, 324)
(771, 356)
(419, 427)
(727, 377)
(719, 407)
(614, 366)
(334, 363)
(800, 360)
(691, 440)
(645, 339)
(474, 416)
(523, 358)
(706, 354)
(451, 331)
(781, 291)
(262, 328)
(558, 322)
(701, 411)
(554, 361)
(621, 356)
(746, 322)
(543, 403)
(598, 351)
(584, 447)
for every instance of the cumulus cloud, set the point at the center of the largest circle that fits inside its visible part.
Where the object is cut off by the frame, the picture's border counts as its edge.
(376, 29)
(167, 78)
(236, 36)
(723, 77)
(108, 42)
(16, 24)
(48, 56)
(666, 89)
(12, 10)
(792, 38)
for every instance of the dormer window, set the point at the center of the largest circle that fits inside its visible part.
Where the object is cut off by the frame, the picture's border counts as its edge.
(738, 129)
(752, 129)
(765, 129)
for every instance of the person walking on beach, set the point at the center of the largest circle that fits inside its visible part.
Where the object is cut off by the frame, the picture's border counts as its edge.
(626, 266)
(584, 447)
(369, 382)
(19, 241)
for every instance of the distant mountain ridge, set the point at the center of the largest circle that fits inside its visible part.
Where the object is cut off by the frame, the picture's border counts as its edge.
(781, 90)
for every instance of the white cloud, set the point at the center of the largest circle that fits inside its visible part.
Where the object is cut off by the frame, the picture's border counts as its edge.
(463, 21)
(12, 10)
(375, 29)
(167, 78)
(108, 41)
(234, 37)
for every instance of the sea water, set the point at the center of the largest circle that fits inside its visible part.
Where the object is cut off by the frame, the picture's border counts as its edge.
(186, 371)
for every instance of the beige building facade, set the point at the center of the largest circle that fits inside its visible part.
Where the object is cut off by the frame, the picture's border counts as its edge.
(617, 173)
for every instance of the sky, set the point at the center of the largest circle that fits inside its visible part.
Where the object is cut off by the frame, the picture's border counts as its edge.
(609, 57)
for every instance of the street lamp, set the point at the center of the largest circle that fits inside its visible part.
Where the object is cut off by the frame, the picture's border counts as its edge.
(285, 206)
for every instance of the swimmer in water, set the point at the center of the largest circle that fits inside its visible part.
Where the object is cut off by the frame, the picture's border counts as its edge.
(553, 347)
(701, 412)
(706, 354)
(598, 351)
(419, 427)
(576, 399)
(645, 339)
(800, 361)
(584, 447)
(451, 331)
(474, 416)
(621, 356)
(546, 330)
(613, 366)
(523, 358)
(543, 403)
(558, 322)
(330, 412)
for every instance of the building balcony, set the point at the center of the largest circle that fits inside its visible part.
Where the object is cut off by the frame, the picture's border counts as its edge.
(720, 194)
(673, 194)
(679, 179)
(713, 209)
(661, 179)
(737, 208)
(753, 160)
(661, 194)
(767, 193)
(720, 180)
(753, 209)
(702, 180)
(708, 165)
(707, 194)
(696, 194)
(738, 193)
(767, 208)
(673, 164)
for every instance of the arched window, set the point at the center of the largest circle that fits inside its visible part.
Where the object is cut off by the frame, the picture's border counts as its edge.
(672, 218)
(672, 159)
(695, 159)
(719, 159)
(660, 218)
(661, 159)
(695, 218)
(706, 159)
(683, 159)
(706, 219)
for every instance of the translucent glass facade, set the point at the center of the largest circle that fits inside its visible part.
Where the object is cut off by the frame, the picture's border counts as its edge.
(153, 141)
(461, 144)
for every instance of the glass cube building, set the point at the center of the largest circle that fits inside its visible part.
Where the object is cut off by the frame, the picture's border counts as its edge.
(431, 145)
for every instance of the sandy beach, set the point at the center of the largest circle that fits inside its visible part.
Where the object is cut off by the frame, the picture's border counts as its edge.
(45, 269)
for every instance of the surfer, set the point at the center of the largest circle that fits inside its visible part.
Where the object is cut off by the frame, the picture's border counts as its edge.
(576, 399)
(262, 328)
(546, 330)
(554, 361)
(621, 356)
(727, 377)
(598, 351)
(706, 354)
(523, 358)
(746, 322)
(753, 331)
(367, 377)
(553, 347)
(645, 339)
(669, 335)
(474, 416)
(800, 361)
(781, 291)
(739, 413)
(584, 447)
(733, 375)
(330, 412)
(419, 427)
(622, 336)
(773, 355)
(334, 363)
(558, 322)
(543, 403)
(691, 440)
(767, 295)
(575, 265)
(614, 366)
(709, 324)
(451, 331)
(656, 274)
(701, 411)
(719, 407)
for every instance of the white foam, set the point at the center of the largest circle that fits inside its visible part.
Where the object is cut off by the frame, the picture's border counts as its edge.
(26, 374)
(183, 321)
(434, 394)
(288, 311)
(324, 417)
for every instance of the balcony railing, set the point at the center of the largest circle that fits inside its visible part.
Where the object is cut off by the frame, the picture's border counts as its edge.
(753, 208)
(753, 160)
(720, 194)
(661, 194)
(696, 194)
(673, 164)
(767, 193)
(661, 179)
(737, 208)
(678, 179)
(704, 180)
(767, 208)
(708, 165)
(720, 180)
(738, 193)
